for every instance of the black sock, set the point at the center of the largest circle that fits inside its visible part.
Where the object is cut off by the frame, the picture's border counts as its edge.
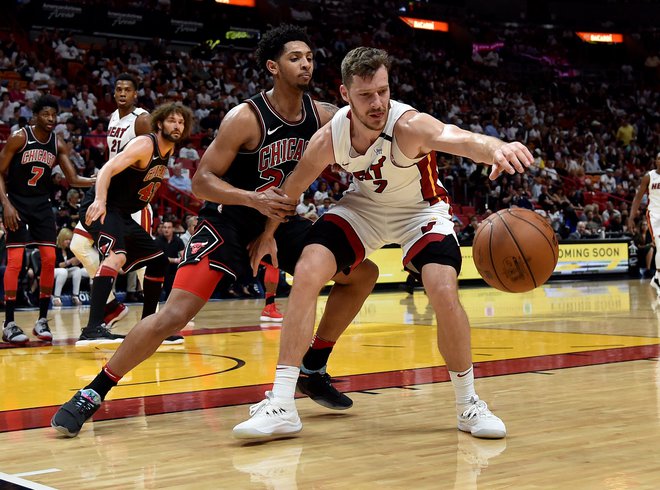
(10, 306)
(100, 291)
(317, 355)
(102, 384)
(43, 306)
(151, 291)
(270, 299)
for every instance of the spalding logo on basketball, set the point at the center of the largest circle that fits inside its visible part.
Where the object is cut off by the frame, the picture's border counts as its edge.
(515, 250)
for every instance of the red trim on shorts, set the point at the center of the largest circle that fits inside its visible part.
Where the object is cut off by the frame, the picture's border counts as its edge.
(420, 244)
(197, 278)
(352, 237)
(154, 279)
(83, 233)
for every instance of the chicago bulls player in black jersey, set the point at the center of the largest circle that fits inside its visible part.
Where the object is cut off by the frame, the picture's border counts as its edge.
(125, 185)
(258, 144)
(26, 162)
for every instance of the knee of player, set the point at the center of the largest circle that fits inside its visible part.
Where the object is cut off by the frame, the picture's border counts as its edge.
(366, 273)
(80, 245)
(114, 261)
(170, 320)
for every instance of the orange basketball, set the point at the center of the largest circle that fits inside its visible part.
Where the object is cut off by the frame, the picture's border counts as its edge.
(515, 250)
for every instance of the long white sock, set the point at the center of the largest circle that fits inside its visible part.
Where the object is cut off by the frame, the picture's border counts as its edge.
(284, 386)
(463, 388)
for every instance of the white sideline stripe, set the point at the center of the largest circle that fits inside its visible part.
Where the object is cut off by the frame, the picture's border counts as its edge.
(38, 472)
(24, 483)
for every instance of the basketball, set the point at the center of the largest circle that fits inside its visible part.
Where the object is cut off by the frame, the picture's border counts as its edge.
(515, 250)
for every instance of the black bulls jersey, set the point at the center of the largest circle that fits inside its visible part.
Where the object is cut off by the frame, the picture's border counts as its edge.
(281, 147)
(30, 169)
(133, 188)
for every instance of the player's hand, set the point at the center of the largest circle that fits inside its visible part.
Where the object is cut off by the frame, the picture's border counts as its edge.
(95, 211)
(631, 224)
(275, 204)
(11, 217)
(263, 245)
(510, 158)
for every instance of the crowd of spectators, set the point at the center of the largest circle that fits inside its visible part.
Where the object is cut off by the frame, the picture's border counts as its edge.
(594, 130)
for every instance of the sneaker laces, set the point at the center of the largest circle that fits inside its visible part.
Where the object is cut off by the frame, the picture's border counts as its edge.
(86, 403)
(266, 406)
(42, 325)
(477, 409)
(12, 330)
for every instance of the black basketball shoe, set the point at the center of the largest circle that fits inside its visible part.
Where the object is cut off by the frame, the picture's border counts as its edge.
(319, 388)
(71, 416)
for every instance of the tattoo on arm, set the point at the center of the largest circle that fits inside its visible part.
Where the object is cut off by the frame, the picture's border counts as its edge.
(328, 107)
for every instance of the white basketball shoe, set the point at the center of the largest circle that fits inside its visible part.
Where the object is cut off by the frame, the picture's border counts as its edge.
(481, 422)
(270, 417)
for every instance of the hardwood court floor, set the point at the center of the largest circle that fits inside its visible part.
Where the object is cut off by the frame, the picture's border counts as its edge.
(571, 368)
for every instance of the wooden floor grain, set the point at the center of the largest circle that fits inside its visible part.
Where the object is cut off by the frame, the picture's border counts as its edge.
(596, 426)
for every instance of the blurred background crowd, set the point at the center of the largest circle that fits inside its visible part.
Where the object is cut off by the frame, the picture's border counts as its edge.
(588, 112)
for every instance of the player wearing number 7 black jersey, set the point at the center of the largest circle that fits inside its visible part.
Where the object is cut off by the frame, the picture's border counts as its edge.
(26, 162)
(125, 185)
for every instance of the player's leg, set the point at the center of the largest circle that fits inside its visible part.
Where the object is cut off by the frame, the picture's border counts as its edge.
(41, 328)
(316, 267)
(346, 297)
(440, 263)
(11, 332)
(270, 313)
(332, 245)
(192, 288)
(96, 331)
(344, 302)
(76, 274)
(82, 246)
(61, 276)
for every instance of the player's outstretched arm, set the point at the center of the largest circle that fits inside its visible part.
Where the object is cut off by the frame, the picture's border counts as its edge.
(14, 143)
(239, 130)
(422, 132)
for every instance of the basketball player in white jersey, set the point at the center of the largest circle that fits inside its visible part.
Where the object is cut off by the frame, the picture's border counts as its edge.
(396, 197)
(651, 184)
(126, 122)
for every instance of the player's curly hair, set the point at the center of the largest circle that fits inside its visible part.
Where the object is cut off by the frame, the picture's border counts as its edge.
(163, 111)
(271, 45)
(44, 101)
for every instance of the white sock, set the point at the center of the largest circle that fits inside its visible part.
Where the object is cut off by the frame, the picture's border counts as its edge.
(463, 388)
(284, 386)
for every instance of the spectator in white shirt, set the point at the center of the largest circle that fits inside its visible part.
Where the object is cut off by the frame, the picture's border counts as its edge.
(188, 152)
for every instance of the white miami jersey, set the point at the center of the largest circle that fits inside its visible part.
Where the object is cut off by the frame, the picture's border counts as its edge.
(383, 173)
(654, 193)
(121, 130)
